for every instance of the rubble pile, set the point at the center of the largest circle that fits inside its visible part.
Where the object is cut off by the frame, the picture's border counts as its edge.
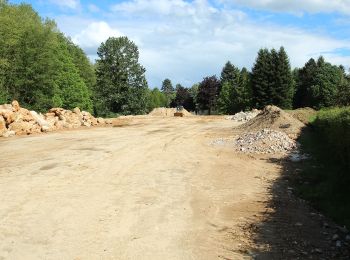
(274, 118)
(243, 116)
(15, 120)
(265, 141)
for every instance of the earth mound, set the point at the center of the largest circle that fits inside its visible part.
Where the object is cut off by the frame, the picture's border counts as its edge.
(163, 111)
(274, 118)
(303, 114)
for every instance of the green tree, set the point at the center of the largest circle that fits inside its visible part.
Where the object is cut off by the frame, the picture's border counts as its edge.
(261, 80)
(229, 84)
(243, 92)
(319, 85)
(304, 80)
(207, 96)
(38, 67)
(121, 85)
(167, 87)
(81, 62)
(156, 98)
(169, 91)
(272, 79)
(282, 80)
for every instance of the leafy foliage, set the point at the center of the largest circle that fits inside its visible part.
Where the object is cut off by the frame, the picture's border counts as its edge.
(184, 98)
(36, 67)
(121, 84)
(235, 94)
(272, 80)
(325, 176)
(321, 84)
(208, 92)
(156, 98)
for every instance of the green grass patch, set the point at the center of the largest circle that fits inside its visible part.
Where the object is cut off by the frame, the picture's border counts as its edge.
(325, 179)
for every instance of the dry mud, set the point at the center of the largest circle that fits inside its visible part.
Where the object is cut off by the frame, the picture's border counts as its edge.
(152, 189)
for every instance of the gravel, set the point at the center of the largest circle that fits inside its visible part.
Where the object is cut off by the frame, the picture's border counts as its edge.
(243, 116)
(265, 141)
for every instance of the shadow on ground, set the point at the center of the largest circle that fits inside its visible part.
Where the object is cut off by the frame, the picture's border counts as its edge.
(290, 228)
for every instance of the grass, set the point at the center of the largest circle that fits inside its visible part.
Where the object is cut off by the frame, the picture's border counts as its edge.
(325, 177)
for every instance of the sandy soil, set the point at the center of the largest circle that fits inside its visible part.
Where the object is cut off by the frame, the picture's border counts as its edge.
(154, 189)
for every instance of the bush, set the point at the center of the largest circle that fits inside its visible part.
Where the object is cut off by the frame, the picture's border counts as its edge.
(326, 176)
(334, 127)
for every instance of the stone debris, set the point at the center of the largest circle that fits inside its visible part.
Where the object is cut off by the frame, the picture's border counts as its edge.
(296, 156)
(265, 141)
(243, 116)
(272, 117)
(15, 120)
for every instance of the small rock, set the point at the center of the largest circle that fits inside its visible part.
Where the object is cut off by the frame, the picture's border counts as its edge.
(77, 111)
(45, 128)
(335, 237)
(298, 224)
(338, 243)
(9, 134)
(317, 250)
(344, 230)
(15, 105)
(347, 238)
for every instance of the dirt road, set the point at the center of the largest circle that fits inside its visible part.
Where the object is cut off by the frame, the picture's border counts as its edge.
(155, 189)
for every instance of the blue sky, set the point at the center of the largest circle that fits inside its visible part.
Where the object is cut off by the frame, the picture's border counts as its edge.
(188, 40)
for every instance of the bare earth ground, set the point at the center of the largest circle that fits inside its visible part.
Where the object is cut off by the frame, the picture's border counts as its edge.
(153, 189)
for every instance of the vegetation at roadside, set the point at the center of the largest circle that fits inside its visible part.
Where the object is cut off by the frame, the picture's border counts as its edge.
(325, 176)
(39, 66)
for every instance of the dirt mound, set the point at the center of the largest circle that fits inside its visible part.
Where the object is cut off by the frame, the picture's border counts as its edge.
(274, 118)
(303, 114)
(265, 141)
(163, 111)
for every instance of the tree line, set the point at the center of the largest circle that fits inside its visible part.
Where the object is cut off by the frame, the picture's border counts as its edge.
(318, 84)
(42, 68)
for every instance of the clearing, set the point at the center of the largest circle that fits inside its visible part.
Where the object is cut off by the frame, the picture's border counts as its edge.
(155, 188)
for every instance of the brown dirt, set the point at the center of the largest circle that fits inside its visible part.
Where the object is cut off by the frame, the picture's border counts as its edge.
(303, 114)
(162, 111)
(274, 118)
(153, 189)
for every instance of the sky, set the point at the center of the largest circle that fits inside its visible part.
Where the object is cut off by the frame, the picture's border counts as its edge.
(186, 41)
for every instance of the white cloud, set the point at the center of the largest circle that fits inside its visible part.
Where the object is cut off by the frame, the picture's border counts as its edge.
(94, 34)
(72, 4)
(195, 39)
(296, 6)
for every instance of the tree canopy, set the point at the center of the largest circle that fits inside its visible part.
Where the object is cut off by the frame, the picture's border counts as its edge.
(36, 65)
(121, 84)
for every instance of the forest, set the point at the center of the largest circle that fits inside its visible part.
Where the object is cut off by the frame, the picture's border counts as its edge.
(42, 68)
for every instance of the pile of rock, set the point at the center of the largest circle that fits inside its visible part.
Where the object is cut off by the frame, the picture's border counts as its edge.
(15, 120)
(243, 116)
(265, 141)
(272, 117)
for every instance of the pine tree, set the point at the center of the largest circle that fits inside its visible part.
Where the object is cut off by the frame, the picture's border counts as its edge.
(208, 93)
(244, 93)
(261, 80)
(282, 80)
(229, 81)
